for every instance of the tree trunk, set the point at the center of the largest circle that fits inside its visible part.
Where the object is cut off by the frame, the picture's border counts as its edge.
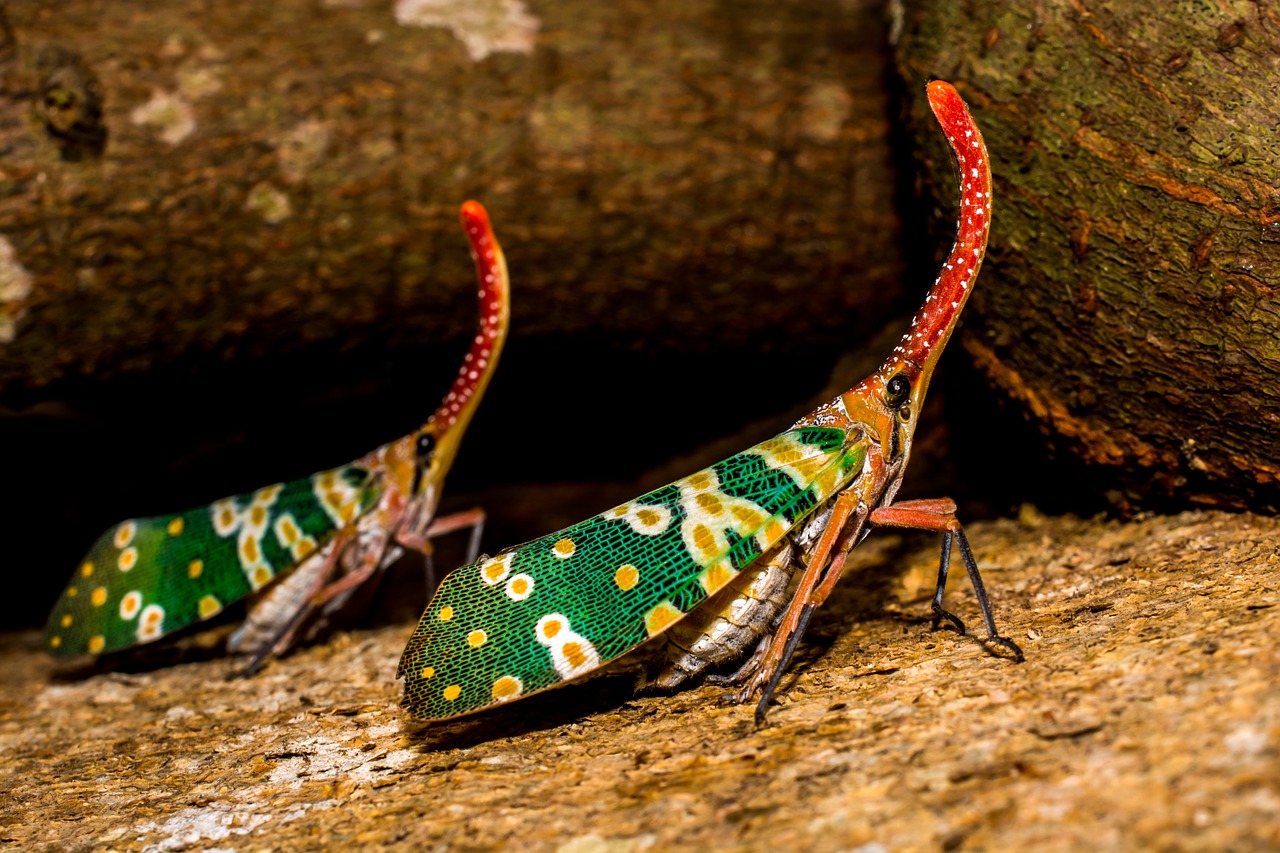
(1130, 303)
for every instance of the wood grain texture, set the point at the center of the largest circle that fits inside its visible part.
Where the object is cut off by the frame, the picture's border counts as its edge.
(1131, 304)
(1143, 718)
(230, 181)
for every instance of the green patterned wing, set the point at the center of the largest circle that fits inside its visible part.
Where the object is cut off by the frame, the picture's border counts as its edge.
(561, 606)
(148, 577)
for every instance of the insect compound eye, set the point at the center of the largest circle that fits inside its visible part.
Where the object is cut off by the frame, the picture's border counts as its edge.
(426, 446)
(897, 390)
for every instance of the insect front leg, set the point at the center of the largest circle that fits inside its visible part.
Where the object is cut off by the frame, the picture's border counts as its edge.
(939, 514)
(420, 540)
(272, 622)
(847, 511)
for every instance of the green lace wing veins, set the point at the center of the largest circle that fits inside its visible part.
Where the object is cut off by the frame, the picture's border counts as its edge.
(559, 607)
(148, 577)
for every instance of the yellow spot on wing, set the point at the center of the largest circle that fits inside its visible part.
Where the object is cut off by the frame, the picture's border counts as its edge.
(72, 592)
(506, 688)
(66, 621)
(55, 642)
(703, 539)
(175, 526)
(710, 503)
(195, 569)
(428, 672)
(446, 613)
(452, 692)
(495, 570)
(128, 559)
(130, 604)
(626, 577)
(716, 575)
(825, 483)
(519, 587)
(810, 467)
(124, 533)
(564, 548)
(477, 638)
(99, 596)
(208, 606)
(787, 455)
(574, 654)
(87, 569)
(97, 644)
(661, 617)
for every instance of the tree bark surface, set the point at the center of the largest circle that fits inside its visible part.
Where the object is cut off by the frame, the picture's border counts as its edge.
(1145, 717)
(236, 180)
(1131, 300)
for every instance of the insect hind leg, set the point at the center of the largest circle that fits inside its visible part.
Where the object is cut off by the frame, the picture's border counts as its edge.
(939, 515)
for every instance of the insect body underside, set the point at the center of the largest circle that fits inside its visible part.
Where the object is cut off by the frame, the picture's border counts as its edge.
(731, 624)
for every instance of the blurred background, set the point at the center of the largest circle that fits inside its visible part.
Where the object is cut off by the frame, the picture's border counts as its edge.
(230, 253)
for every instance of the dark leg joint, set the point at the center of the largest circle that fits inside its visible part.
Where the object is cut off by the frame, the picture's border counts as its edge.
(792, 642)
(954, 621)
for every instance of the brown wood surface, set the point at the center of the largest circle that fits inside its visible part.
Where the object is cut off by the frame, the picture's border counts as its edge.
(1144, 718)
(1131, 300)
(236, 180)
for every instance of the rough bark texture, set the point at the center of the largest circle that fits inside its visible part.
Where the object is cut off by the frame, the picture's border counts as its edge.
(1145, 717)
(1130, 302)
(237, 179)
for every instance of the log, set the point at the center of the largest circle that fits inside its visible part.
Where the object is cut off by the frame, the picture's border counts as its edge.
(1129, 305)
(229, 250)
(237, 180)
(1143, 718)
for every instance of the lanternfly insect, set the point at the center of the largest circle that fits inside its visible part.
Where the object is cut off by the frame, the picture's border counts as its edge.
(325, 534)
(730, 561)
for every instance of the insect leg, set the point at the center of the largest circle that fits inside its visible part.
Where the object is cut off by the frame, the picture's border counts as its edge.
(939, 515)
(796, 619)
(944, 567)
(747, 669)
(420, 542)
(276, 644)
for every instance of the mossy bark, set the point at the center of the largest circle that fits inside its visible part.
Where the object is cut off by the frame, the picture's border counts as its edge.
(1131, 299)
